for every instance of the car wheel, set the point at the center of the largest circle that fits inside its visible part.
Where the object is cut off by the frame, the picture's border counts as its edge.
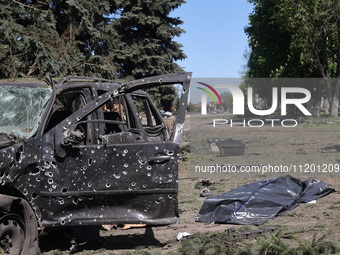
(19, 231)
(12, 233)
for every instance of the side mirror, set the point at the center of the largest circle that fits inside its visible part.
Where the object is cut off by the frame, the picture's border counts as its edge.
(73, 137)
(69, 137)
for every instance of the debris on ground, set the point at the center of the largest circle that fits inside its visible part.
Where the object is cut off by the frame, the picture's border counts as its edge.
(181, 235)
(227, 146)
(109, 227)
(128, 226)
(250, 233)
(231, 147)
(206, 193)
(203, 183)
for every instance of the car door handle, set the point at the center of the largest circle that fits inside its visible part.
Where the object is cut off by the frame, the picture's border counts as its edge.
(159, 159)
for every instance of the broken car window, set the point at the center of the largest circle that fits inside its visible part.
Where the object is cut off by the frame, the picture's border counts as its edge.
(150, 119)
(115, 116)
(120, 125)
(21, 109)
(66, 103)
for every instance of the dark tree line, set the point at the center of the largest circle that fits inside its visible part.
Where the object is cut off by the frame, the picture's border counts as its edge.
(114, 39)
(299, 39)
(110, 38)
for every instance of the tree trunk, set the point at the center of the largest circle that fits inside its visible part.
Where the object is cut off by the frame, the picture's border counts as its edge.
(326, 105)
(334, 103)
(334, 106)
(316, 105)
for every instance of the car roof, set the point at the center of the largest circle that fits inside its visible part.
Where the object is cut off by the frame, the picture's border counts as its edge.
(98, 83)
(82, 81)
(24, 82)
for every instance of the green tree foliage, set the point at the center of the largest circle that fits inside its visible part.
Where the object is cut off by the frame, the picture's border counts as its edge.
(297, 39)
(146, 35)
(268, 41)
(164, 97)
(112, 39)
(146, 31)
(227, 100)
(61, 37)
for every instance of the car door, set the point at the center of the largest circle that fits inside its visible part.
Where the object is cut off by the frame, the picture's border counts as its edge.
(110, 169)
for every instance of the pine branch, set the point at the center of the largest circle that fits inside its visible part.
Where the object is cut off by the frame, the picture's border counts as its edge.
(25, 5)
(83, 63)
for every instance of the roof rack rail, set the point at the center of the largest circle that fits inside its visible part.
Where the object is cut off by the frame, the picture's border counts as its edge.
(69, 78)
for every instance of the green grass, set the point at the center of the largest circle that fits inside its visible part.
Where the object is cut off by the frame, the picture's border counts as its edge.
(220, 243)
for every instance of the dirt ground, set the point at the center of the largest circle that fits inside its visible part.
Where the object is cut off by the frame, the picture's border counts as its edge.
(306, 144)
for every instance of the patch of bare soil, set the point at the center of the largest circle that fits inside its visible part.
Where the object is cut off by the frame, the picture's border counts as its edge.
(301, 145)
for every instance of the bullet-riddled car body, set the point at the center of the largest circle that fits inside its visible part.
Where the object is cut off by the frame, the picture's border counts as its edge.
(85, 151)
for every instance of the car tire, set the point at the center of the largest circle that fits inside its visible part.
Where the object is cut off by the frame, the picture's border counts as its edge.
(19, 229)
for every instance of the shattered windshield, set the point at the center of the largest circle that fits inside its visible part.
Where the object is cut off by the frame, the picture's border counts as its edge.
(21, 109)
